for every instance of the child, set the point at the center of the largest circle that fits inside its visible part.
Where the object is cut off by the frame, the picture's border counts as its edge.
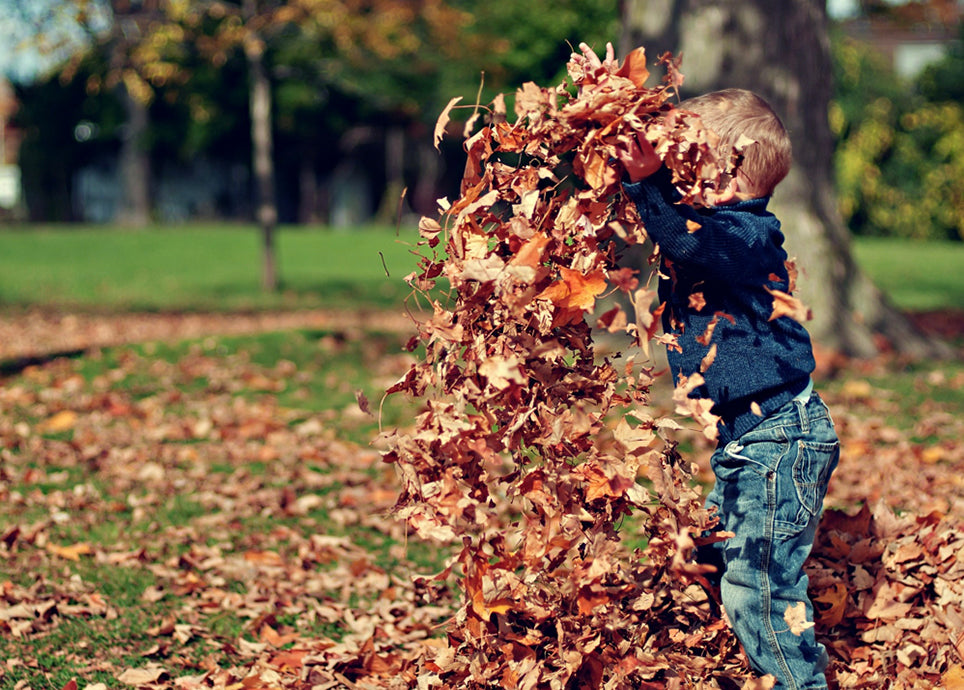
(777, 445)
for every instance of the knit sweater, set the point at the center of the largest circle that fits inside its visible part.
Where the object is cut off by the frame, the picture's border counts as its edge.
(716, 264)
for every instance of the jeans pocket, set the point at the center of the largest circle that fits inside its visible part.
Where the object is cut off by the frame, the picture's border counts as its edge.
(812, 467)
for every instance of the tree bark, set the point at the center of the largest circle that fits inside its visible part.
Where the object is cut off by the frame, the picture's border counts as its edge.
(134, 165)
(781, 50)
(262, 143)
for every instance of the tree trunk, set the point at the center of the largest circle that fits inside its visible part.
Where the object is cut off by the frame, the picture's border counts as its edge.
(388, 208)
(134, 165)
(261, 138)
(781, 51)
(308, 193)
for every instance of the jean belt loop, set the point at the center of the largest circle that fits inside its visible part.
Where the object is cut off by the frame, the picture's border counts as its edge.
(802, 403)
(804, 415)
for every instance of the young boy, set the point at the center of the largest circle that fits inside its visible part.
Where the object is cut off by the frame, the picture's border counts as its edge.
(777, 445)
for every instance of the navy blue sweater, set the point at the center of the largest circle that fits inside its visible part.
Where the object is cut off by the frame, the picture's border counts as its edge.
(718, 272)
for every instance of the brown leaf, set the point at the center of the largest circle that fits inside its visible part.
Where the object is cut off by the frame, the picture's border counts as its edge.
(142, 676)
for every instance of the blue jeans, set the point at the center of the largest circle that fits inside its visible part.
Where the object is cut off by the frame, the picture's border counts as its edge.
(769, 491)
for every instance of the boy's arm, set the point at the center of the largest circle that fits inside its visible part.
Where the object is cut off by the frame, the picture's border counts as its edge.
(724, 242)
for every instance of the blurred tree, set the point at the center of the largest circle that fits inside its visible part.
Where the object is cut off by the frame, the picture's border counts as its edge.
(900, 154)
(54, 146)
(944, 80)
(127, 24)
(781, 51)
(355, 43)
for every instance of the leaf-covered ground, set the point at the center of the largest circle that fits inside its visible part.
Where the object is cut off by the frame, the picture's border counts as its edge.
(212, 515)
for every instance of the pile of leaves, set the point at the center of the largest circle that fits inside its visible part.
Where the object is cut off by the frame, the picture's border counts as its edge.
(520, 409)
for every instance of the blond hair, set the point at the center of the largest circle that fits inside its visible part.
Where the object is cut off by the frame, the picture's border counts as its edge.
(735, 113)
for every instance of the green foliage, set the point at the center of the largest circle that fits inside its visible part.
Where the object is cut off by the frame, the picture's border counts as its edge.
(900, 155)
(944, 81)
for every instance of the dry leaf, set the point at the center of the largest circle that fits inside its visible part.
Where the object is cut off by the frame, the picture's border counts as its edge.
(796, 618)
(443, 121)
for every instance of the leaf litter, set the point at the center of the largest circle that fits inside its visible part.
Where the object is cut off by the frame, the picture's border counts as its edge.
(540, 451)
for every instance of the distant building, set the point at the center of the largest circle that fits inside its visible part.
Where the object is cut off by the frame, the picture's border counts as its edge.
(913, 35)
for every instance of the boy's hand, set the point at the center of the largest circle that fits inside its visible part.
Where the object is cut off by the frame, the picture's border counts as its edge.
(592, 60)
(639, 159)
(589, 63)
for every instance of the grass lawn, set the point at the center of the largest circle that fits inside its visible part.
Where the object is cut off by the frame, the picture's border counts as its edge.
(201, 267)
(919, 276)
(205, 267)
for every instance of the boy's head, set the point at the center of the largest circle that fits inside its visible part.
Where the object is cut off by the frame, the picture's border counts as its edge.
(735, 113)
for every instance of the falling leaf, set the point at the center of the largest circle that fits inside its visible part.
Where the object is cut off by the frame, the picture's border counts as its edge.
(443, 121)
(785, 304)
(363, 403)
(575, 290)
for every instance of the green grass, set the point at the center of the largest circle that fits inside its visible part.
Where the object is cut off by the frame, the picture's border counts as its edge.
(218, 267)
(201, 267)
(918, 276)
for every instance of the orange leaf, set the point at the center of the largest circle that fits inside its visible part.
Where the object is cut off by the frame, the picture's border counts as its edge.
(290, 660)
(269, 558)
(953, 678)
(788, 305)
(274, 638)
(530, 254)
(71, 553)
(575, 290)
(596, 168)
(62, 421)
(634, 67)
(589, 600)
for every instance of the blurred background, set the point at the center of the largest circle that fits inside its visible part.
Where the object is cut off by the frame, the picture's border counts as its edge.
(320, 113)
(132, 111)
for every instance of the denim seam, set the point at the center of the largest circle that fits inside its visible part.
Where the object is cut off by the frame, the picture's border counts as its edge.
(770, 541)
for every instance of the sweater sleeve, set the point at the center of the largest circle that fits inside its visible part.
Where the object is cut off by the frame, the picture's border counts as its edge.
(732, 242)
